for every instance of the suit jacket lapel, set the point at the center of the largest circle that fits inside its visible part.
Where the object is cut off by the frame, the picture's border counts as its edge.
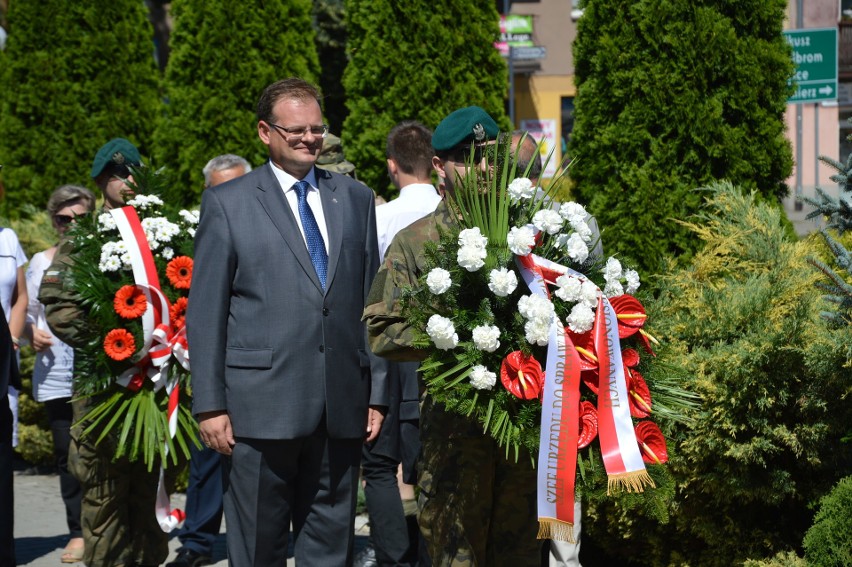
(332, 210)
(272, 199)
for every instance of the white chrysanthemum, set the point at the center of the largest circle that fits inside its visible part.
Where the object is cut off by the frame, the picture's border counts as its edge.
(167, 253)
(472, 237)
(612, 270)
(576, 248)
(521, 188)
(106, 222)
(581, 319)
(153, 243)
(486, 338)
(573, 212)
(442, 332)
(159, 229)
(189, 217)
(481, 378)
(144, 202)
(110, 264)
(632, 277)
(581, 227)
(191, 232)
(569, 288)
(439, 281)
(613, 289)
(502, 282)
(535, 307)
(547, 220)
(537, 331)
(125, 260)
(589, 294)
(471, 258)
(521, 240)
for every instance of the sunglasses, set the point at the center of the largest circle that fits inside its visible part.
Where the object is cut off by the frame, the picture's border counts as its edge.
(63, 220)
(475, 154)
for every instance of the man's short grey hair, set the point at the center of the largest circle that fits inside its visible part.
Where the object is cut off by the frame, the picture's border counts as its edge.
(225, 161)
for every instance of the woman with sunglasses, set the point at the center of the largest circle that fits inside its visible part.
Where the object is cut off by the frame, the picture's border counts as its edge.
(55, 360)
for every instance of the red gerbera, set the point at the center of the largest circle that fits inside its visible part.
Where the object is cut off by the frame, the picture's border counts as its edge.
(119, 344)
(522, 375)
(177, 313)
(130, 302)
(651, 442)
(179, 272)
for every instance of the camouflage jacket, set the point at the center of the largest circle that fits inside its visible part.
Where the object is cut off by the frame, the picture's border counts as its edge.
(62, 304)
(390, 334)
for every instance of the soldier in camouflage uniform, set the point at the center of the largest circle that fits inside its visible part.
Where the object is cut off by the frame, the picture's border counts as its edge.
(476, 507)
(118, 520)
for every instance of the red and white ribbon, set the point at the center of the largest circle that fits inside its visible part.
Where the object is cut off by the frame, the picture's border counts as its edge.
(160, 341)
(560, 419)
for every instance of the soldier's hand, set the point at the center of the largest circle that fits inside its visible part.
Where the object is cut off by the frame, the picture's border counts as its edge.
(375, 416)
(216, 433)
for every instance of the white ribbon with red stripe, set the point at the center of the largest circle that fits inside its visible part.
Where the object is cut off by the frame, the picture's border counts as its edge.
(561, 404)
(160, 342)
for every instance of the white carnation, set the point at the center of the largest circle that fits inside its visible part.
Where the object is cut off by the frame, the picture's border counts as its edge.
(481, 378)
(581, 319)
(581, 227)
(632, 277)
(485, 338)
(438, 281)
(569, 288)
(589, 294)
(471, 258)
(521, 240)
(472, 237)
(573, 212)
(537, 331)
(612, 270)
(576, 248)
(547, 220)
(502, 282)
(535, 307)
(521, 188)
(613, 289)
(442, 332)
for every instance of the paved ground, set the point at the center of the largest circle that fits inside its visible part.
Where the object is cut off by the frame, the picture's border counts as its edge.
(41, 533)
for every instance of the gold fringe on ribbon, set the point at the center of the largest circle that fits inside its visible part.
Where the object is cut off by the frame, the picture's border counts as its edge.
(635, 481)
(551, 528)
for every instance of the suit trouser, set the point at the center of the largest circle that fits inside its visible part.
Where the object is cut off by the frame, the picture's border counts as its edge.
(389, 531)
(312, 481)
(203, 501)
(7, 492)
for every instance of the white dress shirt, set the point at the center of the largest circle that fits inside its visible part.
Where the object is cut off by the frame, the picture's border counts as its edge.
(415, 201)
(313, 197)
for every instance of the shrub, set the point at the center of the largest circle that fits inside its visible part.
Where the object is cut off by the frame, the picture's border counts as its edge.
(828, 542)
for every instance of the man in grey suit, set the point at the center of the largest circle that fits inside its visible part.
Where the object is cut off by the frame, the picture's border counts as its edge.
(284, 258)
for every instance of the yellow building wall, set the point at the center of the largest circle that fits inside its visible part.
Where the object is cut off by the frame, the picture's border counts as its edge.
(540, 98)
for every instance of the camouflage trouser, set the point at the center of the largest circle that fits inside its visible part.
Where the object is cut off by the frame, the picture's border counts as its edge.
(476, 507)
(119, 525)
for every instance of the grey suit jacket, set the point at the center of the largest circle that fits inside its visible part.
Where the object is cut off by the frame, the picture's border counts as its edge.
(266, 343)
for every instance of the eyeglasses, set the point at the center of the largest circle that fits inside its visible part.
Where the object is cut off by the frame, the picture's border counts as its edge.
(293, 133)
(63, 220)
(475, 154)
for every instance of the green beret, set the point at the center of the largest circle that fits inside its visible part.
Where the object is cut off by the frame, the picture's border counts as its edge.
(118, 151)
(331, 157)
(464, 126)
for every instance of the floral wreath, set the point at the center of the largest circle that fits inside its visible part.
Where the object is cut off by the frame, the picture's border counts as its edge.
(539, 341)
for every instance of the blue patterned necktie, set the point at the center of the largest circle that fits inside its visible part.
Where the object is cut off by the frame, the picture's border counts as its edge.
(316, 245)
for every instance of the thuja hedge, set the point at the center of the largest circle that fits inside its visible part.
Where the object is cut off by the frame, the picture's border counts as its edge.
(672, 95)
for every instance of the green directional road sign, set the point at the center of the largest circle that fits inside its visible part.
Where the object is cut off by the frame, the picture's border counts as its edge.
(815, 56)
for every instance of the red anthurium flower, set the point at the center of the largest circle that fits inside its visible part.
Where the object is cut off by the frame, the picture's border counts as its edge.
(638, 394)
(651, 443)
(630, 357)
(522, 375)
(631, 318)
(588, 424)
(585, 346)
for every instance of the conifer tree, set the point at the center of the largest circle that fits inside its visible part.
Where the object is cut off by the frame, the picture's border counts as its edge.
(672, 95)
(72, 76)
(223, 55)
(416, 60)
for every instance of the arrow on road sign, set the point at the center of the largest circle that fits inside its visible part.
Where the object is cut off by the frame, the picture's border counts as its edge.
(826, 90)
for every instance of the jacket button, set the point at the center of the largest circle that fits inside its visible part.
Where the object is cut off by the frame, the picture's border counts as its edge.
(322, 348)
(325, 311)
